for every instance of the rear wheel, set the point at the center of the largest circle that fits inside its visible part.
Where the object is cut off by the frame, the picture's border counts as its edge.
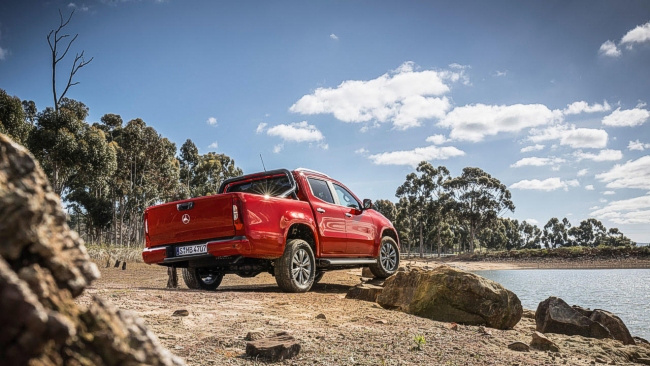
(202, 278)
(296, 269)
(387, 260)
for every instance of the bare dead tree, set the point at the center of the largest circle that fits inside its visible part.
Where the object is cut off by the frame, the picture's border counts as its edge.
(79, 60)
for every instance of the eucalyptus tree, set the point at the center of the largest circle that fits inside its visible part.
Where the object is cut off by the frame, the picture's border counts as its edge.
(211, 171)
(480, 199)
(556, 233)
(531, 235)
(495, 236)
(13, 120)
(406, 223)
(426, 197)
(512, 234)
(590, 232)
(386, 208)
(616, 238)
(189, 158)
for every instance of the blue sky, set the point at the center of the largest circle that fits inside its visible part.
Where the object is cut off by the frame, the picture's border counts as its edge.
(550, 97)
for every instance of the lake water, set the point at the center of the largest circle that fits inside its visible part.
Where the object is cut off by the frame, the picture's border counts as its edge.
(624, 292)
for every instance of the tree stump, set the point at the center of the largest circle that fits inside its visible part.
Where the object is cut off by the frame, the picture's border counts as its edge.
(172, 281)
(282, 346)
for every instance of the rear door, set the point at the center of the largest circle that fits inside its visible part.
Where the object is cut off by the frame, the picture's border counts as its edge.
(196, 219)
(329, 217)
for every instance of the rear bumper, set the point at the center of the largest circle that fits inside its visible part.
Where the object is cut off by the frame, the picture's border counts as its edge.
(216, 248)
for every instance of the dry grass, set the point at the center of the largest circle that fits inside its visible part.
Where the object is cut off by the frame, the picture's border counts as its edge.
(103, 253)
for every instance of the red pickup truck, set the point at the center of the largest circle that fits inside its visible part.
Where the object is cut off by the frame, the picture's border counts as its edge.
(296, 225)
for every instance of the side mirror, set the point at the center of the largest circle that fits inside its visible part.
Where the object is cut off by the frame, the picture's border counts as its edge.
(367, 204)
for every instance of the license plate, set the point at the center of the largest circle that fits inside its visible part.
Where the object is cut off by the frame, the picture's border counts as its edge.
(192, 249)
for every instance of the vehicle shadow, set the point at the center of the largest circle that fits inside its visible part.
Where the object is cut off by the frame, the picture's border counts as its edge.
(321, 288)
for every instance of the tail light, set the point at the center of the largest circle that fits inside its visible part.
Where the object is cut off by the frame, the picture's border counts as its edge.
(146, 228)
(237, 218)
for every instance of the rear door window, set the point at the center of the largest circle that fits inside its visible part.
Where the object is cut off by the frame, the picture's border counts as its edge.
(321, 190)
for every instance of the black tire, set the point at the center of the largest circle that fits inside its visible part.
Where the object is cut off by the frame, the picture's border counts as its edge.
(387, 260)
(202, 278)
(319, 276)
(296, 269)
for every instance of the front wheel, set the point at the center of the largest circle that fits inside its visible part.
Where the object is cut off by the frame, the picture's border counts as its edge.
(296, 269)
(202, 278)
(387, 260)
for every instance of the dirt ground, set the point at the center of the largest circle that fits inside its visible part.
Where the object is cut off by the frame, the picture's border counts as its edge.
(352, 332)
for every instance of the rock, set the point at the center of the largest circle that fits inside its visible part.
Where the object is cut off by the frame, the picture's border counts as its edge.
(365, 292)
(614, 324)
(643, 361)
(484, 331)
(181, 312)
(528, 314)
(519, 347)
(451, 295)
(253, 336)
(554, 315)
(639, 340)
(282, 346)
(542, 343)
(321, 316)
(43, 267)
(366, 272)
(583, 311)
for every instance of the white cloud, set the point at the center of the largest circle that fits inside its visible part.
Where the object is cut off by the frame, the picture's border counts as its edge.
(603, 155)
(532, 221)
(608, 48)
(212, 121)
(637, 145)
(277, 148)
(594, 207)
(535, 161)
(362, 151)
(549, 133)
(261, 127)
(334, 37)
(404, 97)
(474, 122)
(3, 53)
(414, 157)
(213, 145)
(582, 172)
(584, 107)
(627, 118)
(547, 185)
(584, 138)
(602, 200)
(536, 147)
(296, 132)
(78, 7)
(500, 73)
(589, 187)
(609, 193)
(630, 211)
(437, 139)
(640, 34)
(632, 174)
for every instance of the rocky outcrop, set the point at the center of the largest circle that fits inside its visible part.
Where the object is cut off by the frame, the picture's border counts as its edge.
(279, 347)
(541, 342)
(554, 315)
(43, 267)
(451, 295)
(365, 292)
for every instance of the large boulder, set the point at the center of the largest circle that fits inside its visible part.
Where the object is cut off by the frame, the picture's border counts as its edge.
(554, 315)
(43, 267)
(451, 295)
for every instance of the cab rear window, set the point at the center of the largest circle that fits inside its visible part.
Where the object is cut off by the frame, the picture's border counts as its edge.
(271, 186)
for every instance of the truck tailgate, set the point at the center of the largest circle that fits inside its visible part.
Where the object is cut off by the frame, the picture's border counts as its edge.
(191, 220)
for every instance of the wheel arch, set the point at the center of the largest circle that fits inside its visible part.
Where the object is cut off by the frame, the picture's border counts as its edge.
(304, 231)
(390, 232)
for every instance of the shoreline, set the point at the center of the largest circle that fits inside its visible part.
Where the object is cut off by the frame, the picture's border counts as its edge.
(530, 263)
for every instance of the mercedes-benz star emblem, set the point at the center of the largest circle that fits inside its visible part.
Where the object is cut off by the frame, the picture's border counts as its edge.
(186, 219)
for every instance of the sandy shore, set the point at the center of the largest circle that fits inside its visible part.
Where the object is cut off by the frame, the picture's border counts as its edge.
(537, 263)
(331, 329)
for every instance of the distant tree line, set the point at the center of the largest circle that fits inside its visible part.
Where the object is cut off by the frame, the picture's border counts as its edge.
(437, 213)
(108, 172)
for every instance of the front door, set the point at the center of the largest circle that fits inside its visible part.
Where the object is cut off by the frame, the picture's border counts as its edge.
(359, 226)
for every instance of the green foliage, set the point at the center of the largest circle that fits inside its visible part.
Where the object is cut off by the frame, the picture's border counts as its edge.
(13, 120)
(419, 341)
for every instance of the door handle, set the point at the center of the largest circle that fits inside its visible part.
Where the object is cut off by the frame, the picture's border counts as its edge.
(321, 210)
(347, 214)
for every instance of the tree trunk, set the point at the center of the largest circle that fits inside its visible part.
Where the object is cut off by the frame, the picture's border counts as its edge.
(421, 243)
